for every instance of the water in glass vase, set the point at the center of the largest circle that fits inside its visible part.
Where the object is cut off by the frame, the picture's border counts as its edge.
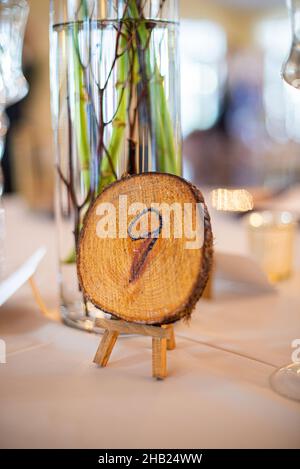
(115, 107)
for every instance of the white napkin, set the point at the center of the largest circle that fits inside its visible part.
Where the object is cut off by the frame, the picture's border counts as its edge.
(11, 284)
(240, 270)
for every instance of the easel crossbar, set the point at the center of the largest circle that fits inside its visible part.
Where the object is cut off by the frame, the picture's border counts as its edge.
(164, 332)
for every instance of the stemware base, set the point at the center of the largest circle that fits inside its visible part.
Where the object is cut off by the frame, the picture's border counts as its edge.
(286, 381)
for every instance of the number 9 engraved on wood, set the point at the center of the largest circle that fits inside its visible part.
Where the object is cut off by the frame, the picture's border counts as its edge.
(145, 249)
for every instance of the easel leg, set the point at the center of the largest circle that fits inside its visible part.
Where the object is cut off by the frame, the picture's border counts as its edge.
(159, 358)
(171, 344)
(105, 348)
(208, 291)
(37, 297)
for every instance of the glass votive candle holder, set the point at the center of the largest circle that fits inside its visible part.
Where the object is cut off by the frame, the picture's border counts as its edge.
(271, 236)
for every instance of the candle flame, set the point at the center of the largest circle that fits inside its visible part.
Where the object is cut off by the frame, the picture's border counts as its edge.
(237, 200)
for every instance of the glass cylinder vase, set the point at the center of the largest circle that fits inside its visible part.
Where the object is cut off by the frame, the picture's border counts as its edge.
(114, 73)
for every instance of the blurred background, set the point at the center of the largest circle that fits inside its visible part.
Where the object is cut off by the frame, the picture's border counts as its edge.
(240, 124)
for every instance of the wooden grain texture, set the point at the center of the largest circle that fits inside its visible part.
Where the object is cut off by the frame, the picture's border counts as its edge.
(146, 280)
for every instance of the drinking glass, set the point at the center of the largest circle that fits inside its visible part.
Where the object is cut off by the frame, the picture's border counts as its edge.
(271, 237)
(13, 86)
(286, 380)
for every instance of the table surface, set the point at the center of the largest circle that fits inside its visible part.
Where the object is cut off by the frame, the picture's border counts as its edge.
(217, 393)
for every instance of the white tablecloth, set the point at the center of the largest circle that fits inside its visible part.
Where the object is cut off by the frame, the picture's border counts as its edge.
(217, 393)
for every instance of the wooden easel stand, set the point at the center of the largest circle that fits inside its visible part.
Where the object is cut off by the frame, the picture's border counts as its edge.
(163, 339)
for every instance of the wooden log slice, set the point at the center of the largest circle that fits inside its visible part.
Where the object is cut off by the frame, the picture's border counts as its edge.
(143, 271)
